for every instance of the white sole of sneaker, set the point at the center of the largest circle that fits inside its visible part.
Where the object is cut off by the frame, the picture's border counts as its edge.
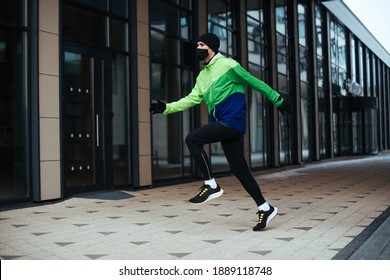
(273, 214)
(214, 195)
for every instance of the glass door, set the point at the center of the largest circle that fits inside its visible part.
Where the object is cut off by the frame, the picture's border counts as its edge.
(86, 120)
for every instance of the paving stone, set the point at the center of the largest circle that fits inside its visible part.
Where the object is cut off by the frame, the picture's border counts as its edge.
(323, 209)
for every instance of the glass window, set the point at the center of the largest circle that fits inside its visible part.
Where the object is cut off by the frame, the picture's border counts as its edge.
(14, 136)
(183, 3)
(12, 11)
(118, 34)
(79, 159)
(338, 58)
(84, 26)
(255, 31)
(306, 98)
(120, 143)
(172, 56)
(222, 22)
(374, 75)
(258, 130)
(164, 17)
(305, 106)
(100, 4)
(303, 63)
(119, 7)
(302, 24)
(282, 46)
(368, 73)
(357, 132)
(281, 18)
(361, 66)
(353, 60)
(282, 59)
(257, 105)
(341, 47)
(319, 83)
(185, 28)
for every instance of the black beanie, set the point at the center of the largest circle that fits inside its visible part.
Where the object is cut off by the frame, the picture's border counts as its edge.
(210, 40)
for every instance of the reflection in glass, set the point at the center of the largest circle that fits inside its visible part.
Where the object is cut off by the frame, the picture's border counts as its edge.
(302, 24)
(281, 19)
(120, 125)
(374, 89)
(221, 21)
(119, 7)
(118, 34)
(167, 130)
(185, 25)
(84, 26)
(282, 58)
(257, 108)
(100, 4)
(79, 141)
(357, 132)
(306, 97)
(14, 135)
(172, 59)
(305, 123)
(338, 58)
(12, 11)
(371, 135)
(257, 115)
(353, 60)
(281, 45)
(368, 73)
(164, 17)
(361, 67)
(303, 64)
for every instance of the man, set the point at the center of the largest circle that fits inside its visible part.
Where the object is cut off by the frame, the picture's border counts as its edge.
(221, 85)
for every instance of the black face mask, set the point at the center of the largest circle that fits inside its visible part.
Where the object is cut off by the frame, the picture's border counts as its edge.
(201, 53)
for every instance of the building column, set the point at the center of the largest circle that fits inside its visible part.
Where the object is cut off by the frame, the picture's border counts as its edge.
(49, 100)
(143, 91)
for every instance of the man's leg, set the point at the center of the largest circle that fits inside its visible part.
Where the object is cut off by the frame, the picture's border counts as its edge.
(195, 140)
(234, 151)
(207, 134)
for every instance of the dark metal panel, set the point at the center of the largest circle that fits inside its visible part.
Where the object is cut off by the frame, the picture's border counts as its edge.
(34, 100)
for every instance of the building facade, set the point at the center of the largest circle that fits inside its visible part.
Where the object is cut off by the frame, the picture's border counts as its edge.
(77, 78)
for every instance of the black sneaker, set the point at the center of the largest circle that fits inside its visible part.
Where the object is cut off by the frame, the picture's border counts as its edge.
(265, 217)
(207, 193)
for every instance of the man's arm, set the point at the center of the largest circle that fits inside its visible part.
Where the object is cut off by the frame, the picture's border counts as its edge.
(249, 80)
(192, 99)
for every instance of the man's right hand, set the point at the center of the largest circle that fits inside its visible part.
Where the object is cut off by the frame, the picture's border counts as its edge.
(158, 107)
(285, 107)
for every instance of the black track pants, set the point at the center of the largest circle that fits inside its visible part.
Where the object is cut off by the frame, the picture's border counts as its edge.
(233, 146)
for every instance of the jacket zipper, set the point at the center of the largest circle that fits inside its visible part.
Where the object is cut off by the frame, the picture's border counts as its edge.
(215, 117)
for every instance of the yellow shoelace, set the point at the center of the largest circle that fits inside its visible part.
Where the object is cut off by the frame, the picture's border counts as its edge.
(202, 191)
(261, 216)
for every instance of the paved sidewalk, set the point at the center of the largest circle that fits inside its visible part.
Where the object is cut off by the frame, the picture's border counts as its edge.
(327, 210)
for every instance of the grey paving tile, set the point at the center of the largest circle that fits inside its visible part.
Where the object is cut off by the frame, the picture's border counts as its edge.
(317, 218)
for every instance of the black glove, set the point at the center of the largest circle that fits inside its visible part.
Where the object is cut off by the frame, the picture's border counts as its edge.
(158, 107)
(284, 107)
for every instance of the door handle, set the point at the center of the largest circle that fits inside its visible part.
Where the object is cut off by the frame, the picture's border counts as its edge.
(97, 130)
